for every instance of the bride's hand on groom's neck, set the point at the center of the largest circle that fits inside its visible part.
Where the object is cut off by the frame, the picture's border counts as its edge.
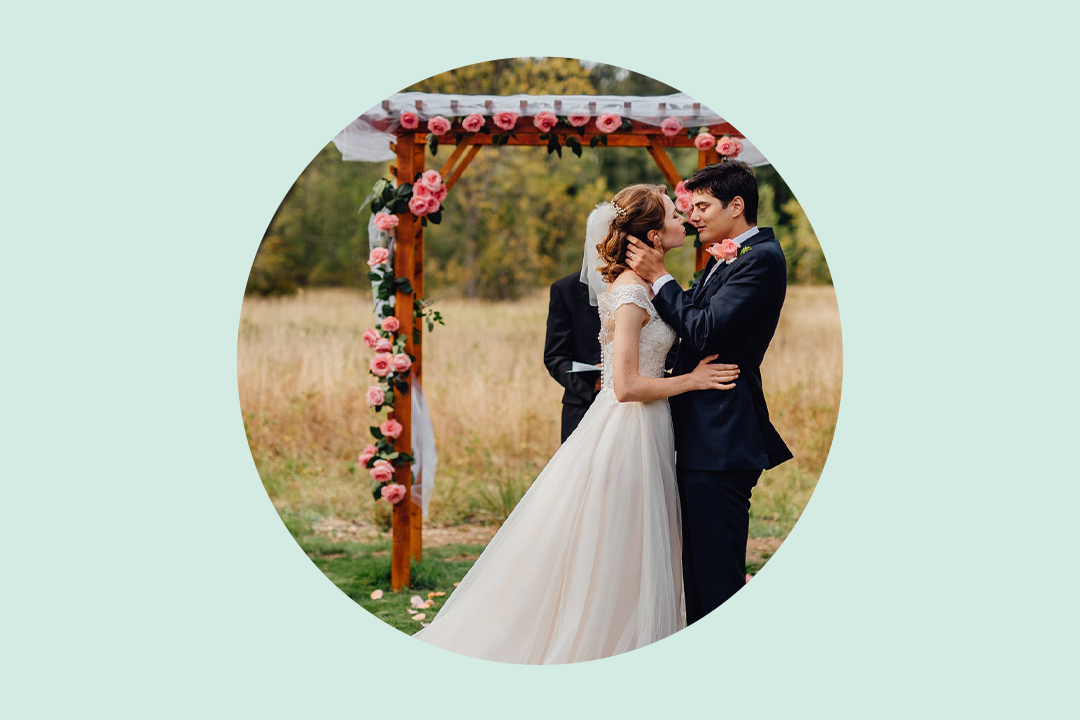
(646, 261)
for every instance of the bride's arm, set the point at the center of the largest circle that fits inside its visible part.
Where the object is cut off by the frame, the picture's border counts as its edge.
(631, 386)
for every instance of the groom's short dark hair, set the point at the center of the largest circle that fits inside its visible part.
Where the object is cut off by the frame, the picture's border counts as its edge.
(724, 181)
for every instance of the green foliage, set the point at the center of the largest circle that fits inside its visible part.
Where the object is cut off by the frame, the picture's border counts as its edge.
(516, 220)
(806, 262)
(317, 237)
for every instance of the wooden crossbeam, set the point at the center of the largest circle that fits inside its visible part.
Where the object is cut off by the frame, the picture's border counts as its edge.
(473, 150)
(664, 163)
(449, 164)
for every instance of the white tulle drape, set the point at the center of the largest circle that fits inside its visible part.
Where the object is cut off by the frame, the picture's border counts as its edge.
(368, 137)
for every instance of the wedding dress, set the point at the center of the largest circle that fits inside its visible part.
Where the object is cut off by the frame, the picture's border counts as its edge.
(588, 564)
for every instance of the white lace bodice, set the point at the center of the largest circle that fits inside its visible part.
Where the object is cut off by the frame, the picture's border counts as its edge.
(655, 340)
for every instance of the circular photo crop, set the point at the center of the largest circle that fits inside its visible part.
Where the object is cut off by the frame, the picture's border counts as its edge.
(540, 360)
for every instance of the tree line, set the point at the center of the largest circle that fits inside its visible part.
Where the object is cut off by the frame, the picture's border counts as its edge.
(515, 221)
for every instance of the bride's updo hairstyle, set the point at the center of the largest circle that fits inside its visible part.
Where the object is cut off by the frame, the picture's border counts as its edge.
(638, 209)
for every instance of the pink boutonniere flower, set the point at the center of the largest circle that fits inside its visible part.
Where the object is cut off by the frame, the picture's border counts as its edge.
(726, 250)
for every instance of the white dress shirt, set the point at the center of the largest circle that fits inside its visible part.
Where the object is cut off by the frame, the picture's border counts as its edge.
(738, 240)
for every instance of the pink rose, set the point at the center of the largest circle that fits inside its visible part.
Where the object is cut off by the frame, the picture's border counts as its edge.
(738, 147)
(382, 471)
(385, 221)
(393, 493)
(680, 189)
(473, 123)
(401, 363)
(505, 120)
(377, 257)
(409, 120)
(726, 146)
(684, 203)
(433, 206)
(391, 429)
(383, 345)
(421, 190)
(579, 120)
(545, 121)
(371, 337)
(432, 179)
(380, 364)
(671, 126)
(418, 205)
(704, 141)
(438, 125)
(608, 122)
(365, 457)
(440, 194)
(375, 396)
(391, 324)
(725, 250)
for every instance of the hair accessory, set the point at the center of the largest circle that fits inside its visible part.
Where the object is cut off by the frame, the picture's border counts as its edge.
(618, 210)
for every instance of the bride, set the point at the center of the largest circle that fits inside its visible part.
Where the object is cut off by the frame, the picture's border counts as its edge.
(588, 564)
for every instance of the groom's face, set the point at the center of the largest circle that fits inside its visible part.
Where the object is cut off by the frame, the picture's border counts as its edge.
(713, 221)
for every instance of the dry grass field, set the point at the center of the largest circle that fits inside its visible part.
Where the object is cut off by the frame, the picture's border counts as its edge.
(302, 373)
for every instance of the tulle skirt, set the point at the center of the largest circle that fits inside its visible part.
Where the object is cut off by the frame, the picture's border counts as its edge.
(588, 565)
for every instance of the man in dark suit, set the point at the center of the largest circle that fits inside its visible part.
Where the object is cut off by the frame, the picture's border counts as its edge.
(723, 440)
(573, 333)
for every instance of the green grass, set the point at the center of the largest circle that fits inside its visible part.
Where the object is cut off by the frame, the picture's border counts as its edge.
(360, 568)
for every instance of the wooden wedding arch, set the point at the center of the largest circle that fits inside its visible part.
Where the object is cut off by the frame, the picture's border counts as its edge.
(409, 155)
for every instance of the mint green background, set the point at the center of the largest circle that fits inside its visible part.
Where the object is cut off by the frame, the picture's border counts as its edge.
(931, 144)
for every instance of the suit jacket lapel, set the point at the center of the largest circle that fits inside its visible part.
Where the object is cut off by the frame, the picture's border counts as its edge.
(705, 276)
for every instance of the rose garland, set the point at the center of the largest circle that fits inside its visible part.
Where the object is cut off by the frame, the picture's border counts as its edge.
(391, 365)
(506, 121)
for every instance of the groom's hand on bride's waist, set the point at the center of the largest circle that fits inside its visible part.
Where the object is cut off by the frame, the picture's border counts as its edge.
(646, 261)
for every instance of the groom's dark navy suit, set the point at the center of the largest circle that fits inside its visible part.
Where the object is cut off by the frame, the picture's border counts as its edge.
(723, 438)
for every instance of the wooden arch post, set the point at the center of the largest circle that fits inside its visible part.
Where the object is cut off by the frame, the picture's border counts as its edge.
(408, 256)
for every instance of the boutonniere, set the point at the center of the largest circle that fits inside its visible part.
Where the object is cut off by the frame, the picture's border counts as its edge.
(748, 248)
(725, 250)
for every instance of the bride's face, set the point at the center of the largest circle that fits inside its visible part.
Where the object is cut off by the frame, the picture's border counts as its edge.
(673, 233)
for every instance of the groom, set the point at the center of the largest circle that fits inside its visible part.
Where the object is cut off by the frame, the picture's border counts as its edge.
(723, 440)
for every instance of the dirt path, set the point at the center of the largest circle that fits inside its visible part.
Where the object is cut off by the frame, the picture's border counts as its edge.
(758, 550)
